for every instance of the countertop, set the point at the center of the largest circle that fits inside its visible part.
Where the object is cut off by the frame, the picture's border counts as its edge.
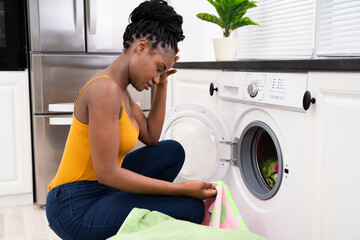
(344, 64)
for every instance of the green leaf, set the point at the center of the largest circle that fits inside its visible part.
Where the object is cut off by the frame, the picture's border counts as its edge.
(210, 18)
(221, 10)
(242, 22)
(242, 6)
(230, 13)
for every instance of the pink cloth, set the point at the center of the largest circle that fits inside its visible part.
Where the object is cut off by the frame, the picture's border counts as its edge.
(277, 168)
(221, 211)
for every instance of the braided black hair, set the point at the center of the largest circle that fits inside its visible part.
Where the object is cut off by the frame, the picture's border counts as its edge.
(157, 22)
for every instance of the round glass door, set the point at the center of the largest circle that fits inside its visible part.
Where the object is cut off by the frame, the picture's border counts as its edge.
(261, 161)
(200, 145)
(202, 135)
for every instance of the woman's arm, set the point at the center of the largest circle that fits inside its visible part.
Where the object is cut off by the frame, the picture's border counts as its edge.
(129, 181)
(104, 108)
(151, 127)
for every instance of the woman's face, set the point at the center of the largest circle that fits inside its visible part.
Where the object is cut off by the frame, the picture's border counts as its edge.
(148, 64)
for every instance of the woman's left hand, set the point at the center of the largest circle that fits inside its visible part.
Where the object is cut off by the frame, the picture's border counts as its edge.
(164, 76)
(198, 189)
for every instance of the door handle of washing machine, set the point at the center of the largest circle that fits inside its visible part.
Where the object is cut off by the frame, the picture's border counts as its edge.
(212, 89)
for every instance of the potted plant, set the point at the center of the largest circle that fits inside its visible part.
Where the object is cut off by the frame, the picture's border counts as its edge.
(231, 16)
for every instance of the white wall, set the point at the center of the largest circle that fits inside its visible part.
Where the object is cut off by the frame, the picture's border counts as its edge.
(199, 34)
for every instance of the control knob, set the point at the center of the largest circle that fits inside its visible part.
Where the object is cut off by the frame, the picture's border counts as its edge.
(253, 89)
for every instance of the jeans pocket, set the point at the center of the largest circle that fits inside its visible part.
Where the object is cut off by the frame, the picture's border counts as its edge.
(56, 227)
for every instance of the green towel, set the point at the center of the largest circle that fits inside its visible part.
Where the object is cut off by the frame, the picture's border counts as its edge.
(142, 224)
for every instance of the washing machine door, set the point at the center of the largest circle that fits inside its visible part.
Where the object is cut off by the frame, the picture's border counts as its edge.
(205, 139)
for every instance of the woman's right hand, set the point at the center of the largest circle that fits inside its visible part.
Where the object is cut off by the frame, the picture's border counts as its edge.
(199, 190)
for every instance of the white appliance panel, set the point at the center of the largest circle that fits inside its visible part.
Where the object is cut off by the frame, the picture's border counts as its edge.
(275, 89)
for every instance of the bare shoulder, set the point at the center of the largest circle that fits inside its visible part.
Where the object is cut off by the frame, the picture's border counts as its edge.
(104, 89)
(101, 97)
(104, 94)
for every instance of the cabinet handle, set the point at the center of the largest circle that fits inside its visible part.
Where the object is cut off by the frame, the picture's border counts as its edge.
(79, 17)
(92, 16)
(62, 121)
(307, 100)
(212, 89)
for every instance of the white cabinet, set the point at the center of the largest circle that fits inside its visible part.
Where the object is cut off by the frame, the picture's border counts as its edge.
(334, 120)
(192, 85)
(15, 139)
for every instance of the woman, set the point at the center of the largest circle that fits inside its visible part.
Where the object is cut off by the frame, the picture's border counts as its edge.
(98, 183)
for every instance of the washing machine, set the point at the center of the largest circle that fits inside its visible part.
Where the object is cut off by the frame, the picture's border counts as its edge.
(257, 144)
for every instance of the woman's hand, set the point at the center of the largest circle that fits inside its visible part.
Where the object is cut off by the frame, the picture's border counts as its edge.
(199, 190)
(164, 76)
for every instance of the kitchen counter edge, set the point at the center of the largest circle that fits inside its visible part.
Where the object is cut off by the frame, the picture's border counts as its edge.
(277, 65)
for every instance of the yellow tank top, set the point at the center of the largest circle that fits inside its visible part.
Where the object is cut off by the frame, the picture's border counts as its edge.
(76, 163)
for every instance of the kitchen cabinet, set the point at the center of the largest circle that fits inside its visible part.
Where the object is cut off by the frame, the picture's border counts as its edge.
(334, 148)
(192, 85)
(15, 140)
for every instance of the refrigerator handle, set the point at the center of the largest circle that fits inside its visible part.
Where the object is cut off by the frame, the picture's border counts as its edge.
(79, 16)
(63, 121)
(92, 16)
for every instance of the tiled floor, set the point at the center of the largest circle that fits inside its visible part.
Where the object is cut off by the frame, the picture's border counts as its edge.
(24, 223)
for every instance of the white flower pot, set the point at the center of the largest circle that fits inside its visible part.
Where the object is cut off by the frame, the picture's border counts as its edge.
(225, 49)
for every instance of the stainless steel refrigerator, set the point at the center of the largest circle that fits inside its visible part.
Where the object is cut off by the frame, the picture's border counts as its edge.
(70, 40)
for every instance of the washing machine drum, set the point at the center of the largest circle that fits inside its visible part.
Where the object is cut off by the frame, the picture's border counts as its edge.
(201, 133)
(260, 160)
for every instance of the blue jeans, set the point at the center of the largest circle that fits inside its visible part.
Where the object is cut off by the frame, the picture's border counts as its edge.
(89, 210)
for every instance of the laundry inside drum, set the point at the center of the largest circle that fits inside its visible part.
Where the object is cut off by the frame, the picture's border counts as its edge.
(260, 160)
(266, 159)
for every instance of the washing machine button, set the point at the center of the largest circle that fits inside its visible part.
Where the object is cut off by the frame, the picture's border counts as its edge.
(253, 89)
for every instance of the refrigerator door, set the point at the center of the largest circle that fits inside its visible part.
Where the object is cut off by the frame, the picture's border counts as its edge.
(50, 134)
(58, 79)
(56, 26)
(106, 23)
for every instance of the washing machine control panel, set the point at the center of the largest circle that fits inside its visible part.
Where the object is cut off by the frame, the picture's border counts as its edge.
(277, 89)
